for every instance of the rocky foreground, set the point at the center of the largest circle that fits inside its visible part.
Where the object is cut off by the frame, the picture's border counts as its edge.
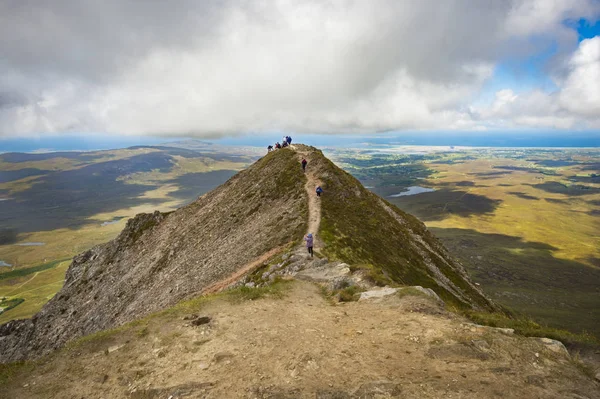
(296, 342)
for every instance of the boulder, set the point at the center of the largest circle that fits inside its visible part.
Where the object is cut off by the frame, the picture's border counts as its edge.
(380, 293)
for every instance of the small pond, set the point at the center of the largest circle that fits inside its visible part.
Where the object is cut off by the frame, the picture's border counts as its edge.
(115, 220)
(3, 263)
(412, 190)
(31, 244)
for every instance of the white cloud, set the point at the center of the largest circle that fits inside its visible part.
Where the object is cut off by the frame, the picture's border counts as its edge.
(213, 68)
(575, 104)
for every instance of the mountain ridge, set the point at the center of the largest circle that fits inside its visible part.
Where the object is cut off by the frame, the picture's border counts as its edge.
(161, 259)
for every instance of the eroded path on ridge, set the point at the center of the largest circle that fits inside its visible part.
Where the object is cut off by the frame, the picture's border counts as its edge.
(314, 203)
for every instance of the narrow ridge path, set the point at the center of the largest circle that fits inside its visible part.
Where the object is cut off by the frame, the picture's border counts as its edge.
(314, 203)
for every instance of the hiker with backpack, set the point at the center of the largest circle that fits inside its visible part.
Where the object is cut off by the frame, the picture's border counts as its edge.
(288, 139)
(309, 243)
(304, 162)
(319, 191)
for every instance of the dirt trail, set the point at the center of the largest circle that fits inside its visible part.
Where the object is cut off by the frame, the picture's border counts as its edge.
(221, 285)
(314, 204)
(301, 346)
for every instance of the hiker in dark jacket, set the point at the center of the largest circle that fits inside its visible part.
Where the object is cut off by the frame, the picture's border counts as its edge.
(304, 162)
(270, 148)
(319, 191)
(309, 243)
(289, 139)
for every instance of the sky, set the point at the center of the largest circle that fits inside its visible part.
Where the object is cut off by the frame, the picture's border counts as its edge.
(214, 69)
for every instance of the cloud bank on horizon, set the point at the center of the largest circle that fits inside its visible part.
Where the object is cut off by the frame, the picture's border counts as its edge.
(217, 68)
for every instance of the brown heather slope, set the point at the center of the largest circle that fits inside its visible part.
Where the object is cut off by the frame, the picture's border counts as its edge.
(160, 259)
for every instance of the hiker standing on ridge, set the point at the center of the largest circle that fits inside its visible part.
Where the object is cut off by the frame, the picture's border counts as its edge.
(288, 139)
(309, 243)
(319, 191)
(304, 162)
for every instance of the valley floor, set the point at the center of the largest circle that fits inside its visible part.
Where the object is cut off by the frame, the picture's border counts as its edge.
(295, 343)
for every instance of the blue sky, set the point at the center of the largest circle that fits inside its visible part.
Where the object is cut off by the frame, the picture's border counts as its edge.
(526, 74)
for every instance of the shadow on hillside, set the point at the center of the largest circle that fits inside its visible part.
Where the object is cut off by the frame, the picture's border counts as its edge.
(527, 277)
(559, 188)
(12, 175)
(522, 195)
(490, 175)
(66, 199)
(443, 203)
(193, 185)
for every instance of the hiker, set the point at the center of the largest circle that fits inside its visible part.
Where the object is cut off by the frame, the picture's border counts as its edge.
(289, 140)
(270, 148)
(309, 243)
(285, 144)
(277, 145)
(319, 191)
(304, 162)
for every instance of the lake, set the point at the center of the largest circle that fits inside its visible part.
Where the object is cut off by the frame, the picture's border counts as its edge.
(3, 263)
(412, 190)
(31, 244)
(115, 220)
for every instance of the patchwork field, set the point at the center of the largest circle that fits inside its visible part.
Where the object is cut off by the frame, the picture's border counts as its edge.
(56, 205)
(525, 222)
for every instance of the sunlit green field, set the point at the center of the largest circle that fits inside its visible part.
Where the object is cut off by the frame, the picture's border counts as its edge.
(525, 222)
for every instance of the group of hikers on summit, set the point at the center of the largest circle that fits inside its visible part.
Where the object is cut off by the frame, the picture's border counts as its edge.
(287, 140)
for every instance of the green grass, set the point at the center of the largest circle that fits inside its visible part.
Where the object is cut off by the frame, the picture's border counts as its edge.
(373, 274)
(36, 289)
(8, 304)
(349, 294)
(410, 291)
(529, 328)
(243, 293)
(8, 370)
(29, 270)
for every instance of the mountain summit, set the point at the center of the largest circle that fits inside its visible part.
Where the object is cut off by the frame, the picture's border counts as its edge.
(160, 259)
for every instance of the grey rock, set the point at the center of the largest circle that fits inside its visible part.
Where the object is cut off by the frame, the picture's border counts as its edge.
(553, 345)
(377, 294)
(428, 292)
(339, 283)
(481, 344)
(250, 285)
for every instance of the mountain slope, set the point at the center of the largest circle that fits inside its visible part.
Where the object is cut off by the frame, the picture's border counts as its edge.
(360, 228)
(160, 259)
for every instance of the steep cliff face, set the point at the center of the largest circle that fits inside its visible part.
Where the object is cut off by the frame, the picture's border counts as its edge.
(160, 259)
